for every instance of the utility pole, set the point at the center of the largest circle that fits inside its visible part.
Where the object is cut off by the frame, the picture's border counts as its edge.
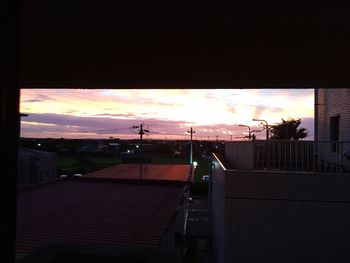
(250, 136)
(191, 146)
(141, 132)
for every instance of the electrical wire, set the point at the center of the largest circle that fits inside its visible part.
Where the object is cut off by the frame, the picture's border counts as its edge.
(96, 131)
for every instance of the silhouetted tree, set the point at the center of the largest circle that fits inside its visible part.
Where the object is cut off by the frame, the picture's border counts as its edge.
(288, 130)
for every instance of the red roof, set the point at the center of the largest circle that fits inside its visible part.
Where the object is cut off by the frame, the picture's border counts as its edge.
(159, 172)
(84, 212)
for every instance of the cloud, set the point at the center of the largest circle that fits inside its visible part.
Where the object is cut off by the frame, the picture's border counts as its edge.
(120, 115)
(172, 111)
(32, 100)
(64, 125)
(38, 98)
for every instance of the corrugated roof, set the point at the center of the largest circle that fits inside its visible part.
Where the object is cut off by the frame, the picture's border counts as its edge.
(85, 212)
(160, 172)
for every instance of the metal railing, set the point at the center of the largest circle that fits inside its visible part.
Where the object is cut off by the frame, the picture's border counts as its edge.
(310, 156)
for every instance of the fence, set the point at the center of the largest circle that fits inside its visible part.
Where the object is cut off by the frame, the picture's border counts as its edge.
(312, 156)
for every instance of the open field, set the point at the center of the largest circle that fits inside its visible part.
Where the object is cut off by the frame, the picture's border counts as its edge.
(69, 164)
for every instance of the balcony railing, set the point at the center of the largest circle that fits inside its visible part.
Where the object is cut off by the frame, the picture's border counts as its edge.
(311, 156)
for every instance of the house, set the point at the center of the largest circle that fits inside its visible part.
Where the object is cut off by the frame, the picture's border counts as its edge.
(286, 201)
(126, 212)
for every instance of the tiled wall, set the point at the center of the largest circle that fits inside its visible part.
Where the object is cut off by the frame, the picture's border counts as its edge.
(286, 217)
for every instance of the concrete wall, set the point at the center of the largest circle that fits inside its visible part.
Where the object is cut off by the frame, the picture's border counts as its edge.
(36, 166)
(217, 214)
(240, 154)
(286, 217)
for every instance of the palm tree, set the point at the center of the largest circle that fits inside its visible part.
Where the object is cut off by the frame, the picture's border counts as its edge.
(288, 130)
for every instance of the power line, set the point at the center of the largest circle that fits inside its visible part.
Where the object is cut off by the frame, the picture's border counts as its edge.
(103, 130)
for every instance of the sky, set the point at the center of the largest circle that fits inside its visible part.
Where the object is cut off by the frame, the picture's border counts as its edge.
(166, 113)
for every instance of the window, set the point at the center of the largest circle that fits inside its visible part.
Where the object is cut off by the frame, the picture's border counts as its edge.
(334, 132)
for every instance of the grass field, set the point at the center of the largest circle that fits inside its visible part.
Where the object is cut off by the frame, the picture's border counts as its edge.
(84, 164)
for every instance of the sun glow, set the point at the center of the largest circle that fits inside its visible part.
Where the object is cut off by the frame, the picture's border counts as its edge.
(176, 107)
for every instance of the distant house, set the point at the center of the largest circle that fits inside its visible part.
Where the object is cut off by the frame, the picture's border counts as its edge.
(88, 148)
(36, 166)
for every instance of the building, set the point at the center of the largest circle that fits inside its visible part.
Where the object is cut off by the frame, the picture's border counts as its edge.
(279, 216)
(36, 166)
(114, 212)
(332, 124)
(286, 201)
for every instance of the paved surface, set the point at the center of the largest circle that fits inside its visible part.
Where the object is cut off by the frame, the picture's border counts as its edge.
(198, 227)
(198, 218)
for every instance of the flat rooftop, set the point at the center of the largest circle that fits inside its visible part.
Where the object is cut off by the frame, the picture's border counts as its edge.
(154, 172)
(88, 212)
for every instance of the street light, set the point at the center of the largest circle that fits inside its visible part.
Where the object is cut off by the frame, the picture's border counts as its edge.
(242, 125)
(250, 136)
(266, 127)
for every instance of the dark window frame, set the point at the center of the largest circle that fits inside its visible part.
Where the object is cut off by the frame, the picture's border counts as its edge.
(334, 127)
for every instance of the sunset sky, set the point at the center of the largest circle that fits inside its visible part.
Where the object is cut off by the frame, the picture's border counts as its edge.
(168, 113)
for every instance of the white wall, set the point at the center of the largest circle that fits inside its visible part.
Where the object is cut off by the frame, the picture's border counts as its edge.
(217, 207)
(286, 217)
(332, 102)
(240, 154)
